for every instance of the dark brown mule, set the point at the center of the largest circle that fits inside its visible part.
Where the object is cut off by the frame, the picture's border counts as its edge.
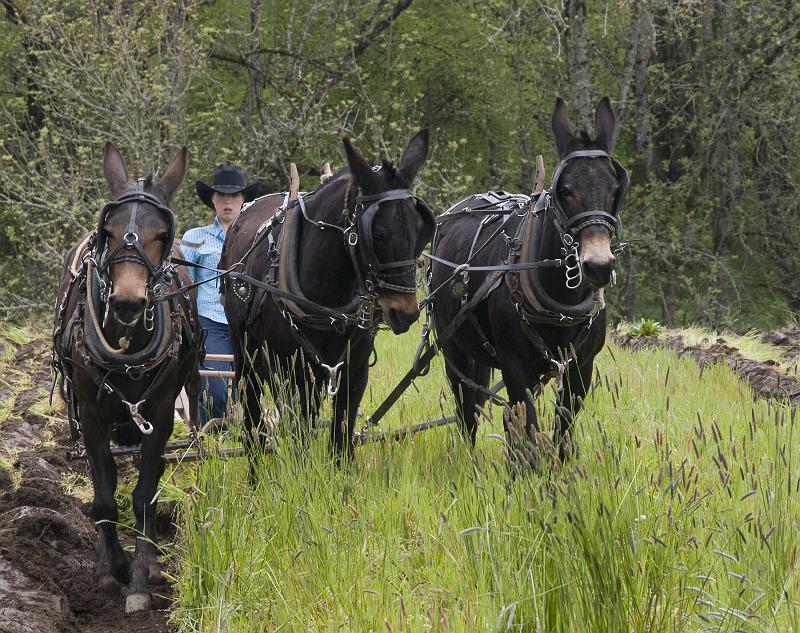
(125, 355)
(350, 246)
(532, 319)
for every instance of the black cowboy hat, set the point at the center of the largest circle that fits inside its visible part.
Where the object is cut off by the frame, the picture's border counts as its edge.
(226, 178)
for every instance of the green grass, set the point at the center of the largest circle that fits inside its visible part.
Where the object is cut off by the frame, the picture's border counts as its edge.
(680, 513)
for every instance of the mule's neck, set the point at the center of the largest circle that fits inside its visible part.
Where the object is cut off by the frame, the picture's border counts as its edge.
(325, 270)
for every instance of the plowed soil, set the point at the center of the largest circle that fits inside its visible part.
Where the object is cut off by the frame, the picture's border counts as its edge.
(46, 537)
(763, 376)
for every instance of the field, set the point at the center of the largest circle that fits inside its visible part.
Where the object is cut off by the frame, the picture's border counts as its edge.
(680, 513)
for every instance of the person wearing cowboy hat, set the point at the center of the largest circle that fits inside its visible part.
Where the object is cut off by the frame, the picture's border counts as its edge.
(203, 245)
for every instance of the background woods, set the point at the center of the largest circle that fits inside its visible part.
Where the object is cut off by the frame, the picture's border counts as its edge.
(705, 92)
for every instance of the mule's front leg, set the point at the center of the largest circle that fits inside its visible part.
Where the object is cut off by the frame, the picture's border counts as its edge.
(353, 383)
(524, 442)
(570, 400)
(145, 559)
(111, 561)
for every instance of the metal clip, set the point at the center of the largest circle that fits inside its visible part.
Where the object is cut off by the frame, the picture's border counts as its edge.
(333, 377)
(559, 374)
(144, 426)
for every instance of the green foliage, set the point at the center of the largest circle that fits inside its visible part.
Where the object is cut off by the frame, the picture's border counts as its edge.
(712, 219)
(642, 327)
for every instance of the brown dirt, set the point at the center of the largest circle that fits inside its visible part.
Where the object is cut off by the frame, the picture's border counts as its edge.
(46, 538)
(762, 376)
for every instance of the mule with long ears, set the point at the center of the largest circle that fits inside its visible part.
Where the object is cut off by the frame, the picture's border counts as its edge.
(125, 350)
(346, 256)
(546, 320)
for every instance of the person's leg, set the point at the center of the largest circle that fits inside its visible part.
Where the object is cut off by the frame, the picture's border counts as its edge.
(214, 390)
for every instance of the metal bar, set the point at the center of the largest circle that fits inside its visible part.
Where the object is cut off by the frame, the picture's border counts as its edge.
(193, 456)
(218, 373)
(220, 357)
(399, 434)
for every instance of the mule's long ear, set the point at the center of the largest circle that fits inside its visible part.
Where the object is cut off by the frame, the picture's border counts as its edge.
(359, 167)
(562, 128)
(414, 156)
(114, 169)
(604, 124)
(172, 178)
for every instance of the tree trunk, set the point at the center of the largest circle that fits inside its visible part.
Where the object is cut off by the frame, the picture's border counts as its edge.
(578, 58)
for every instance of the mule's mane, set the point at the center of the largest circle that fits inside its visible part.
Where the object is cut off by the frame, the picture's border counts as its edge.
(335, 177)
(148, 185)
(386, 167)
(584, 141)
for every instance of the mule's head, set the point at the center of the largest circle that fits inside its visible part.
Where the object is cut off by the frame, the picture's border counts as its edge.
(135, 237)
(394, 227)
(589, 190)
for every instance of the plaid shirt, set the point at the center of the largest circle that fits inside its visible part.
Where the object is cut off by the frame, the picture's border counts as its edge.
(203, 245)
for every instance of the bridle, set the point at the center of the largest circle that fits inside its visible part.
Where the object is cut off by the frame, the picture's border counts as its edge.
(360, 245)
(569, 227)
(131, 249)
(576, 223)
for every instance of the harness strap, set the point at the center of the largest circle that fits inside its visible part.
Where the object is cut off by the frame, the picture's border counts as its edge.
(542, 263)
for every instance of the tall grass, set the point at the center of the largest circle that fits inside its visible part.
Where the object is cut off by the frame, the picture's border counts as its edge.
(680, 513)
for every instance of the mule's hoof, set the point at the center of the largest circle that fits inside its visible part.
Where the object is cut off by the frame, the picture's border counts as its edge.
(109, 585)
(136, 602)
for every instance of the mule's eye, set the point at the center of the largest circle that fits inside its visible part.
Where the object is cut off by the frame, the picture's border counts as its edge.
(565, 191)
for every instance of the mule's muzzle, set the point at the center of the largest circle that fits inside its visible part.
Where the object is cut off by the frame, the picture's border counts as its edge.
(400, 311)
(599, 272)
(401, 321)
(127, 311)
(597, 260)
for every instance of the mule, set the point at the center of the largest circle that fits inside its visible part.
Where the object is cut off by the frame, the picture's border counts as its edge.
(125, 354)
(346, 254)
(546, 320)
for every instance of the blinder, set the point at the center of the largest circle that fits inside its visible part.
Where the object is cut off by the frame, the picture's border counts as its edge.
(572, 225)
(131, 248)
(366, 209)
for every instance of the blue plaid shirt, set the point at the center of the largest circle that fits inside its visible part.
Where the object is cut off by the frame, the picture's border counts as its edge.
(203, 245)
